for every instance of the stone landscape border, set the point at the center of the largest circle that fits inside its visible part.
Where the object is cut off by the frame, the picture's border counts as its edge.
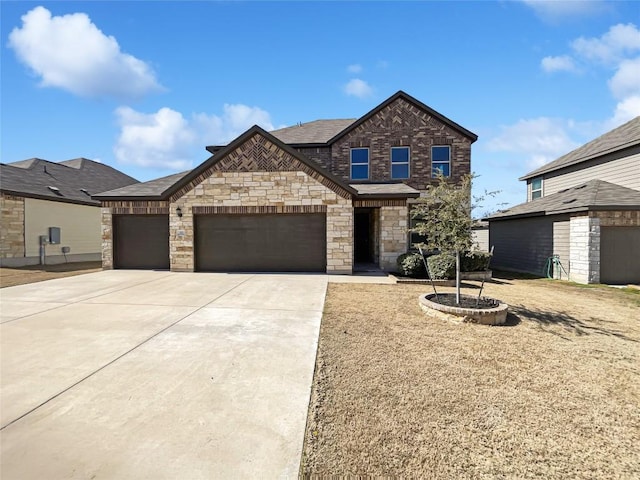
(484, 316)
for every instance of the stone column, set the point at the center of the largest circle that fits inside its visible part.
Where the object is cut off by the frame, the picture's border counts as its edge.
(584, 249)
(393, 235)
(181, 241)
(107, 238)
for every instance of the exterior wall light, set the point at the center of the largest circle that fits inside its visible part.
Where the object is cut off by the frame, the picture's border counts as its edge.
(179, 212)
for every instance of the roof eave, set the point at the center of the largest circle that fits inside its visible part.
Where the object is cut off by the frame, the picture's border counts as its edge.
(52, 199)
(382, 196)
(542, 170)
(128, 198)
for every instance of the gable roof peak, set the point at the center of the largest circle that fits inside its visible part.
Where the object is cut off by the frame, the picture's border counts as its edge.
(408, 98)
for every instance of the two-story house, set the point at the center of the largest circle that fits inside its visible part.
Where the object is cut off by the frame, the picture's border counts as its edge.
(327, 196)
(581, 220)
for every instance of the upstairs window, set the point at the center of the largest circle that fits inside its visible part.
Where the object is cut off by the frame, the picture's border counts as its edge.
(359, 164)
(536, 188)
(441, 160)
(400, 162)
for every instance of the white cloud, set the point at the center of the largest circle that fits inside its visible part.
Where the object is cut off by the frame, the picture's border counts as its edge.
(626, 110)
(626, 81)
(166, 139)
(617, 50)
(612, 47)
(537, 140)
(555, 10)
(558, 64)
(358, 88)
(162, 139)
(355, 68)
(71, 53)
(235, 119)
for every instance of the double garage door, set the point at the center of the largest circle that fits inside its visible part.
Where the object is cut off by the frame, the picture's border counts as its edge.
(231, 243)
(261, 243)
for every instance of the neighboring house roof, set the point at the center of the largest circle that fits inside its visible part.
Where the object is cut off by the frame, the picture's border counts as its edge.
(408, 98)
(152, 188)
(593, 195)
(71, 181)
(385, 190)
(316, 132)
(625, 136)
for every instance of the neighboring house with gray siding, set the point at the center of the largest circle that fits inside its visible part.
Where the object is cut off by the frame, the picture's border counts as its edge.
(328, 196)
(37, 194)
(581, 220)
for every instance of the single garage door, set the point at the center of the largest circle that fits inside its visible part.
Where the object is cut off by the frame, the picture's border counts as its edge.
(261, 243)
(619, 255)
(141, 241)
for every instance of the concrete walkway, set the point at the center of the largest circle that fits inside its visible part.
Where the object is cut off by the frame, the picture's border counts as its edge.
(141, 374)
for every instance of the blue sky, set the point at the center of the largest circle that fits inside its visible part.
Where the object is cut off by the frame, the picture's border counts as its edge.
(145, 86)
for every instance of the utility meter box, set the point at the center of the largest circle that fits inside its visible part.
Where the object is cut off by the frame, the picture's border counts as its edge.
(54, 235)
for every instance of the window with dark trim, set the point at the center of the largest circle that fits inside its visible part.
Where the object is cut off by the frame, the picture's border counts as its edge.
(400, 162)
(359, 164)
(441, 160)
(536, 188)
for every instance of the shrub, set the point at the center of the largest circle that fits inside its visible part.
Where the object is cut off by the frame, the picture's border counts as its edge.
(474, 261)
(411, 265)
(442, 266)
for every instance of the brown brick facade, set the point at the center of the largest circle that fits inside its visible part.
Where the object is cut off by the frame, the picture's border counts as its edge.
(629, 218)
(402, 124)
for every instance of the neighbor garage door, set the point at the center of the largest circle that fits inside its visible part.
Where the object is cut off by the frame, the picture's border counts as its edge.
(141, 241)
(619, 255)
(261, 243)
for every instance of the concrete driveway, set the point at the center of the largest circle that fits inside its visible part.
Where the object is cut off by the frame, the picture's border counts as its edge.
(142, 374)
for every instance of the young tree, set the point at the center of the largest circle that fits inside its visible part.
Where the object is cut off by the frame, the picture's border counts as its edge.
(444, 217)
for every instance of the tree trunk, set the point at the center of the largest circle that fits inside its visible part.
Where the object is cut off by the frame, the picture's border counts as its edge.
(457, 277)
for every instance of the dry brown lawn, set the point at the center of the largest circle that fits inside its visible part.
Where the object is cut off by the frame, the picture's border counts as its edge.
(556, 394)
(10, 277)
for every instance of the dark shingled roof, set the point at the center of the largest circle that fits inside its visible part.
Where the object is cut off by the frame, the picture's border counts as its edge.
(318, 131)
(593, 195)
(625, 136)
(152, 188)
(72, 181)
(385, 190)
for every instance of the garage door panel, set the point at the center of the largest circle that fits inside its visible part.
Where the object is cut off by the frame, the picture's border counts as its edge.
(261, 243)
(620, 255)
(141, 241)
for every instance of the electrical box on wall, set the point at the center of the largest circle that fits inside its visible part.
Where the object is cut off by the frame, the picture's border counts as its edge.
(54, 235)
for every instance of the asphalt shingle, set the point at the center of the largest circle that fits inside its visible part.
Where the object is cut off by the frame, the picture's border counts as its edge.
(72, 181)
(318, 131)
(624, 136)
(593, 195)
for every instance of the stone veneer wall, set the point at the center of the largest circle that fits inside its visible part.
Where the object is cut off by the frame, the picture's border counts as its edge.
(107, 238)
(11, 226)
(393, 235)
(250, 191)
(584, 249)
(402, 124)
(584, 246)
